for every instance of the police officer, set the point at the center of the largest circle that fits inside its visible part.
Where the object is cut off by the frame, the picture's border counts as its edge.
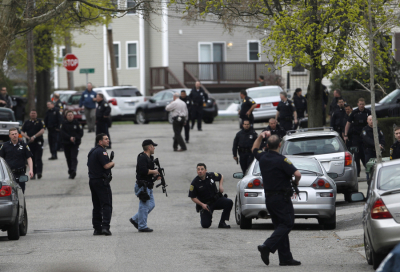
(286, 112)
(358, 118)
(367, 135)
(325, 97)
(348, 110)
(300, 103)
(99, 166)
(17, 153)
(274, 129)
(58, 105)
(395, 148)
(199, 97)
(203, 191)
(335, 101)
(145, 175)
(189, 105)
(277, 172)
(52, 120)
(32, 131)
(243, 143)
(338, 118)
(71, 135)
(103, 116)
(246, 108)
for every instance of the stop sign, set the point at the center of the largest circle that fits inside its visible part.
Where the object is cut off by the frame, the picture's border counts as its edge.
(70, 62)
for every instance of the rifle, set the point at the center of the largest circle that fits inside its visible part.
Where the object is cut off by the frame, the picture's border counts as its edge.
(161, 174)
(108, 178)
(295, 188)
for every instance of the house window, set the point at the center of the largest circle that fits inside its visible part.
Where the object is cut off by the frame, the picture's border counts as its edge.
(132, 55)
(253, 50)
(131, 4)
(298, 68)
(117, 55)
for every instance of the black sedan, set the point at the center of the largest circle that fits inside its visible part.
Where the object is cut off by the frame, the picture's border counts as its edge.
(154, 108)
(13, 215)
(389, 106)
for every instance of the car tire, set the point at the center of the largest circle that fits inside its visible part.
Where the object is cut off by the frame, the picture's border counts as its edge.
(328, 223)
(209, 120)
(377, 258)
(13, 230)
(237, 211)
(241, 220)
(23, 227)
(368, 250)
(140, 117)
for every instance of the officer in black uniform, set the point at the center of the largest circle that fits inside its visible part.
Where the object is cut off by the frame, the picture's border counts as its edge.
(395, 148)
(274, 129)
(277, 172)
(337, 95)
(203, 191)
(189, 105)
(16, 153)
(367, 135)
(32, 131)
(198, 97)
(246, 108)
(300, 103)
(358, 118)
(145, 176)
(52, 120)
(325, 97)
(339, 117)
(103, 120)
(348, 110)
(71, 135)
(99, 166)
(243, 143)
(286, 112)
(58, 105)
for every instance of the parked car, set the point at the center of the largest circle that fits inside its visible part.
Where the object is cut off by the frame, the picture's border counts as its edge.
(7, 121)
(389, 106)
(123, 101)
(316, 199)
(13, 213)
(64, 95)
(154, 108)
(73, 105)
(381, 216)
(328, 147)
(267, 99)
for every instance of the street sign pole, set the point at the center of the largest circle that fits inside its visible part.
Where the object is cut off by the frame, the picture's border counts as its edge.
(87, 71)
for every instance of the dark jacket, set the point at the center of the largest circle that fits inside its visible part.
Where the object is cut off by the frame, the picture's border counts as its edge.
(87, 99)
(71, 129)
(143, 165)
(52, 120)
(334, 106)
(339, 120)
(367, 135)
(244, 140)
(198, 97)
(103, 109)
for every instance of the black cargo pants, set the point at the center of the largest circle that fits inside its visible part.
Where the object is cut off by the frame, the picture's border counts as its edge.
(222, 203)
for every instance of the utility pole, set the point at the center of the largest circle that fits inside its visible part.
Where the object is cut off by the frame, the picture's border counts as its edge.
(30, 59)
(70, 75)
(112, 56)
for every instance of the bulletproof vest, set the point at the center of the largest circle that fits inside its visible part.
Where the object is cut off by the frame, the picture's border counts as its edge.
(360, 119)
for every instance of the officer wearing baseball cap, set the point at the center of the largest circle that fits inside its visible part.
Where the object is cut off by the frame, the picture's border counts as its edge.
(145, 177)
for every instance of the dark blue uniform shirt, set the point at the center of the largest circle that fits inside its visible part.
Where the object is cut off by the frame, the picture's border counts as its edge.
(97, 158)
(395, 151)
(31, 127)
(71, 129)
(247, 103)
(204, 190)
(276, 170)
(198, 97)
(52, 119)
(286, 110)
(359, 120)
(244, 140)
(15, 155)
(367, 135)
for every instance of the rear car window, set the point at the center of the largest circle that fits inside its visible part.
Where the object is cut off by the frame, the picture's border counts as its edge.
(264, 92)
(6, 116)
(389, 178)
(74, 99)
(128, 92)
(313, 146)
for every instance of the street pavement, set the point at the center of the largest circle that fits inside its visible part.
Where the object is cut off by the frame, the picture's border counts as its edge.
(60, 232)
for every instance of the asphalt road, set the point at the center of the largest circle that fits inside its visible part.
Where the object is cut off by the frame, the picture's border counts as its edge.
(60, 232)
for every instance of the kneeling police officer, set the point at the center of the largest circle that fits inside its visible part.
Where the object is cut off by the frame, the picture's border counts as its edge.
(99, 166)
(203, 191)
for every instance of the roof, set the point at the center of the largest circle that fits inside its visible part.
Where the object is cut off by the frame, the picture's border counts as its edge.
(263, 87)
(314, 132)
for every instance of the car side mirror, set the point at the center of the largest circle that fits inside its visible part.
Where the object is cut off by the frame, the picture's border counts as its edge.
(333, 175)
(357, 197)
(238, 175)
(151, 100)
(23, 178)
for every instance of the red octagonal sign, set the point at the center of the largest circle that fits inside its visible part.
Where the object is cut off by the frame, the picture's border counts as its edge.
(70, 62)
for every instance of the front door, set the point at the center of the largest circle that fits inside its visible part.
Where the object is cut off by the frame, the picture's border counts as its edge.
(205, 55)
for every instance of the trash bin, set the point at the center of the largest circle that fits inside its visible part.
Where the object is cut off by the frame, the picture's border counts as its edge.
(370, 164)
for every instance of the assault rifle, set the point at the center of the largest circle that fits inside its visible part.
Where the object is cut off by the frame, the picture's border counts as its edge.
(296, 189)
(107, 178)
(161, 174)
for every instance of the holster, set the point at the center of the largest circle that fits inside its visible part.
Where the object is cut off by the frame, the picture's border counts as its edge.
(107, 179)
(143, 195)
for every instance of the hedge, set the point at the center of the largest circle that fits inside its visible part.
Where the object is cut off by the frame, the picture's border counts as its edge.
(352, 97)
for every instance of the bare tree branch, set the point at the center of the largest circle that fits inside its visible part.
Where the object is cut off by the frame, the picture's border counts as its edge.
(361, 84)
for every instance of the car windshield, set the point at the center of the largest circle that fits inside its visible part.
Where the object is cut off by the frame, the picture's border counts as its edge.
(389, 178)
(313, 146)
(264, 92)
(74, 99)
(64, 97)
(305, 166)
(6, 116)
(390, 97)
(128, 92)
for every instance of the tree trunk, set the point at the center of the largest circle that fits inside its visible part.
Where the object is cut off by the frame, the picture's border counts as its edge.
(314, 98)
(70, 75)
(112, 56)
(30, 60)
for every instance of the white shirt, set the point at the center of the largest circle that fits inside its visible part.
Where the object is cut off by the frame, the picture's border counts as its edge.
(177, 108)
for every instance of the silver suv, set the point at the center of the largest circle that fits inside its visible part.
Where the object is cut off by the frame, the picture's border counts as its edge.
(328, 147)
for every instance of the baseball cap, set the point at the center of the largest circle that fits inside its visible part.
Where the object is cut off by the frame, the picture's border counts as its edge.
(148, 142)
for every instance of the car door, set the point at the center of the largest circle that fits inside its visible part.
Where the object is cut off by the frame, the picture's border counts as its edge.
(154, 106)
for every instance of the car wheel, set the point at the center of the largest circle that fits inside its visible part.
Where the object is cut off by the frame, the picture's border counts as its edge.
(377, 258)
(141, 118)
(169, 118)
(208, 120)
(368, 250)
(328, 223)
(13, 230)
(237, 211)
(245, 223)
(23, 227)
